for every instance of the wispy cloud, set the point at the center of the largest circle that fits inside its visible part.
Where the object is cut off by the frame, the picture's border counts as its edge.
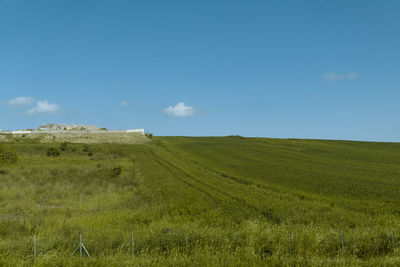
(124, 104)
(43, 107)
(180, 110)
(21, 101)
(352, 75)
(332, 76)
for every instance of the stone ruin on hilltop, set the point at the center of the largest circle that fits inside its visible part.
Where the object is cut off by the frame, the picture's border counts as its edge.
(68, 127)
(72, 128)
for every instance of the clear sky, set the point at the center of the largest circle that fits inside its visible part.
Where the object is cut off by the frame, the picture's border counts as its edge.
(302, 69)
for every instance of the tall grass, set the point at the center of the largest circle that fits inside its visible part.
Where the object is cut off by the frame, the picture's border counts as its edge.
(202, 201)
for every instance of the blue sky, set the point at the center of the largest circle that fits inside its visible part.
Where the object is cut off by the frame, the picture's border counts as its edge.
(302, 69)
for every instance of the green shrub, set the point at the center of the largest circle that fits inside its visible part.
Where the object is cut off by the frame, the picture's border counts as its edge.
(53, 152)
(7, 154)
(85, 148)
(116, 171)
(64, 146)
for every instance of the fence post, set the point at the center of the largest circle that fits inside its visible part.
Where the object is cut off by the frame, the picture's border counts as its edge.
(133, 244)
(80, 245)
(394, 243)
(342, 240)
(34, 246)
(290, 242)
(186, 239)
(237, 237)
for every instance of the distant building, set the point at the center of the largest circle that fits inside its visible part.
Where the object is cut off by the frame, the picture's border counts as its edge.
(67, 127)
(73, 128)
(21, 132)
(136, 131)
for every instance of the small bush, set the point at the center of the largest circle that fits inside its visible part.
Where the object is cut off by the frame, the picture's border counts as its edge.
(86, 148)
(383, 244)
(116, 171)
(149, 135)
(64, 146)
(53, 152)
(265, 250)
(7, 154)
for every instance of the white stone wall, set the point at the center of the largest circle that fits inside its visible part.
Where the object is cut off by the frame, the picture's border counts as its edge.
(21, 132)
(136, 131)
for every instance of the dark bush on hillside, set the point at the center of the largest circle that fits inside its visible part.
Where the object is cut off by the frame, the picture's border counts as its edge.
(64, 146)
(86, 148)
(149, 135)
(116, 171)
(265, 250)
(7, 154)
(53, 152)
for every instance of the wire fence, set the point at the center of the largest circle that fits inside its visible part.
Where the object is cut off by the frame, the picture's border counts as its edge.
(84, 251)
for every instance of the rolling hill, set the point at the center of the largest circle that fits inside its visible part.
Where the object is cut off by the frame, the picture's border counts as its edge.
(203, 201)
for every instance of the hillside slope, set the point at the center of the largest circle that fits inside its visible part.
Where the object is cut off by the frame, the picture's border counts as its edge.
(79, 137)
(204, 201)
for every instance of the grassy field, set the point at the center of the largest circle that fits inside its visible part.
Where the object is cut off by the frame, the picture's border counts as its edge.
(223, 201)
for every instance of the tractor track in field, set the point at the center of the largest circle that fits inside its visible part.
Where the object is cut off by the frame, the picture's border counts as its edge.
(240, 202)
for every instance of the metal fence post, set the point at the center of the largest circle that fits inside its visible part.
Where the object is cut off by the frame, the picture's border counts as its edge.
(80, 247)
(342, 240)
(394, 243)
(80, 244)
(133, 244)
(34, 246)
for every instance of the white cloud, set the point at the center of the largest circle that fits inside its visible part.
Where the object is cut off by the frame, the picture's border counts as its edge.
(21, 101)
(43, 107)
(332, 76)
(352, 75)
(124, 104)
(180, 110)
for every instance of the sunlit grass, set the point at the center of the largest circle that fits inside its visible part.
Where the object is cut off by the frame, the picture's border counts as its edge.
(203, 201)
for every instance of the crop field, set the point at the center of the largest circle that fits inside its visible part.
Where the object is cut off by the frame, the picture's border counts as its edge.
(191, 201)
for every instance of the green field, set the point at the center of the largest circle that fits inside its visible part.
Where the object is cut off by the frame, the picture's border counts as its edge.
(223, 201)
